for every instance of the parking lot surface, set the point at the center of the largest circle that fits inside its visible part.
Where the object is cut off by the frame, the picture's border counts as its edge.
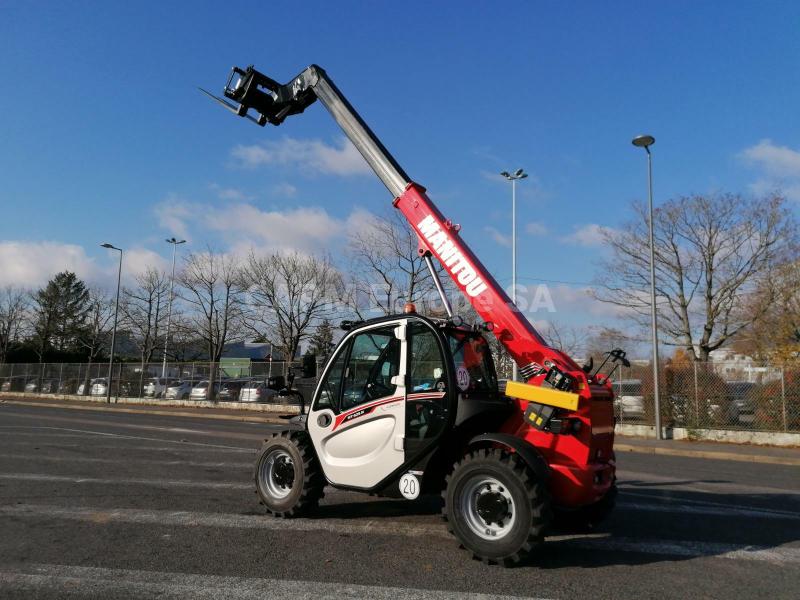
(125, 505)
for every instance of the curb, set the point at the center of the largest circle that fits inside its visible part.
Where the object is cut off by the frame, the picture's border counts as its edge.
(168, 413)
(751, 458)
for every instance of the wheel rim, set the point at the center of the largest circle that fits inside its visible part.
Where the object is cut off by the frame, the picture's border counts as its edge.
(276, 474)
(488, 508)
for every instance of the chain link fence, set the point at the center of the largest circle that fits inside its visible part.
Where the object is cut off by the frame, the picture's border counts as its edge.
(223, 382)
(715, 395)
(718, 395)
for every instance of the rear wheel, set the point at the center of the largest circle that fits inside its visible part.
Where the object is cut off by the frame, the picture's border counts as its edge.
(496, 506)
(288, 478)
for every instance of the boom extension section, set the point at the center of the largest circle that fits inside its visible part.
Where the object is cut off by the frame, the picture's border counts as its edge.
(438, 236)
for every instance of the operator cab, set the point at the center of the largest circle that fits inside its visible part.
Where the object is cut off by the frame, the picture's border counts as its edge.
(393, 388)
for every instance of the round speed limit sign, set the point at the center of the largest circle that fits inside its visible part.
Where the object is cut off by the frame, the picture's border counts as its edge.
(409, 486)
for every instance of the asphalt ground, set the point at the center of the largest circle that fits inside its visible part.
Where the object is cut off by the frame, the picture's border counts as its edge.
(121, 505)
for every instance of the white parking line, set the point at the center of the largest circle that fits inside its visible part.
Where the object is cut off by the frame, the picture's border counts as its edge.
(693, 549)
(180, 518)
(128, 459)
(602, 542)
(672, 507)
(111, 582)
(706, 507)
(73, 479)
(189, 448)
(136, 437)
(624, 478)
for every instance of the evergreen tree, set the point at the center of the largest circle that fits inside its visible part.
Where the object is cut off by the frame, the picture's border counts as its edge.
(59, 313)
(322, 340)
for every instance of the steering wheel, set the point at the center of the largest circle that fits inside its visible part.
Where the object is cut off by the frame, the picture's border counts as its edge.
(377, 390)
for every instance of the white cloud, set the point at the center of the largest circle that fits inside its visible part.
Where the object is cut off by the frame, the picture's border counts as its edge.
(285, 190)
(498, 237)
(240, 226)
(535, 229)
(137, 260)
(32, 264)
(173, 214)
(587, 235)
(229, 193)
(342, 158)
(297, 228)
(780, 166)
(779, 161)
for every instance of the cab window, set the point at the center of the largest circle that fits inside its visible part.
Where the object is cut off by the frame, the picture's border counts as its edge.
(473, 361)
(426, 373)
(331, 384)
(374, 360)
(426, 403)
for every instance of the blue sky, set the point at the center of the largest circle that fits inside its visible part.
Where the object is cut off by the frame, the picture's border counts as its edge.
(104, 136)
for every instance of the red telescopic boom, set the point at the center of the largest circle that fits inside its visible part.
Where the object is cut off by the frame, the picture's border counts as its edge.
(438, 236)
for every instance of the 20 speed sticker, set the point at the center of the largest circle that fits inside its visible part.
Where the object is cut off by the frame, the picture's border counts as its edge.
(462, 378)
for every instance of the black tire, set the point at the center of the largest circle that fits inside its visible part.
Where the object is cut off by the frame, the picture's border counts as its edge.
(518, 502)
(289, 481)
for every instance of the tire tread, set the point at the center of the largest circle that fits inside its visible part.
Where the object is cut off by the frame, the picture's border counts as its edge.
(313, 478)
(535, 491)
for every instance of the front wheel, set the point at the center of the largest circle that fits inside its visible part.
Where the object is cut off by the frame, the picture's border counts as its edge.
(496, 506)
(287, 475)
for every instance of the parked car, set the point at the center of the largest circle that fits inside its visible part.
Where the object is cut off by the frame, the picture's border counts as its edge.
(256, 391)
(13, 384)
(178, 390)
(68, 386)
(200, 391)
(629, 400)
(32, 386)
(99, 387)
(48, 386)
(229, 390)
(92, 382)
(155, 387)
(276, 382)
(704, 410)
(739, 393)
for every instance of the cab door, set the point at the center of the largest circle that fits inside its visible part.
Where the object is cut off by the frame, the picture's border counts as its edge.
(357, 420)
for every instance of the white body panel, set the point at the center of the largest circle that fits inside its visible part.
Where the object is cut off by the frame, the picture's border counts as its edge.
(362, 445)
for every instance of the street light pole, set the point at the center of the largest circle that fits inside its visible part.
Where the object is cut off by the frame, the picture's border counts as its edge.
(174, 243)
(113, 331)
(518, 174)
(645, 141)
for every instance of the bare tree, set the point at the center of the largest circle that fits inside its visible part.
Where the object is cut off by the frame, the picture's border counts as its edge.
(386, 268)
(211, 286)
(96, 329)
(144, 311)
(289, 295)
(184, 344)
(712, 252)
(602, 340)
(13, 310)
(569, 339)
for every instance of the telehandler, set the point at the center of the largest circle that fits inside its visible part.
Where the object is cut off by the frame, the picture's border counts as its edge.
(410, 404)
